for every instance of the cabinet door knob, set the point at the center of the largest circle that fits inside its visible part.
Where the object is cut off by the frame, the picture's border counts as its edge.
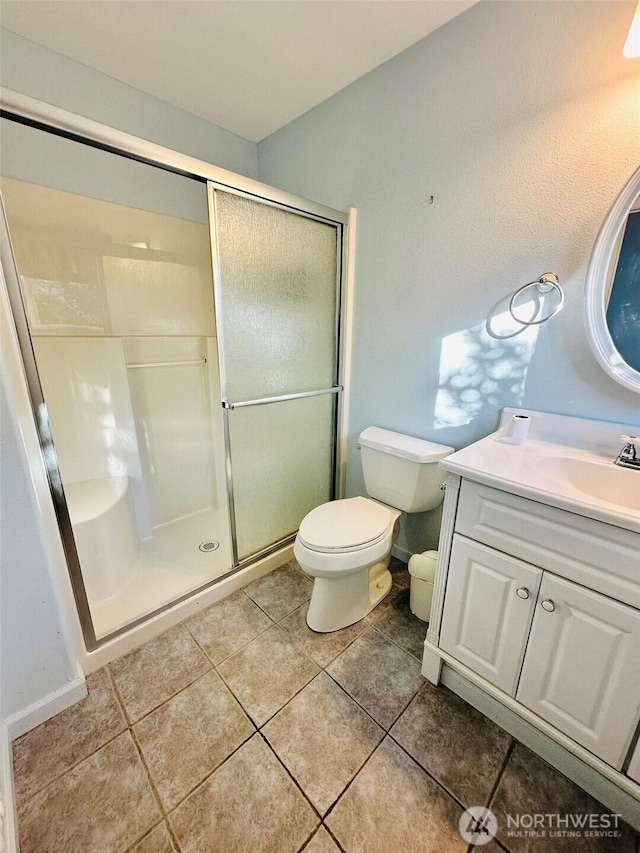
(522, 592)
(548, 605)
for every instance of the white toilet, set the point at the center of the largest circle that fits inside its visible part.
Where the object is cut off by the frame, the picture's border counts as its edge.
(346, 544)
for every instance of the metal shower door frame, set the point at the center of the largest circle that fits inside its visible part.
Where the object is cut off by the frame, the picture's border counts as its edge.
(23, 109)
(230, 405)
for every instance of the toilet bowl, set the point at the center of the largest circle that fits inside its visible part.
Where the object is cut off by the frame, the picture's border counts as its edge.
(345, 545)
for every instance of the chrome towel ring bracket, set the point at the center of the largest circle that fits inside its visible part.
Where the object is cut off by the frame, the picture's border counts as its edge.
(547, 282)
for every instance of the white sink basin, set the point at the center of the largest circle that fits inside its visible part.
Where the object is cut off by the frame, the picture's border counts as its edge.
(595, 478)
(566, 462)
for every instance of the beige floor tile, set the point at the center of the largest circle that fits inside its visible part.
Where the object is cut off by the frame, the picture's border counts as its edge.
(393, 805)
(530, 786)
(190, 735)
(158, 841)
(400, 625)
(265, 674)
(228, 625)
(381, 677)
(103, 805)
(281, 591)
(323, 738)
(249, 805)
(152, 673)
(323, 648)
(321, 842)
(458, 745)
(49, 750)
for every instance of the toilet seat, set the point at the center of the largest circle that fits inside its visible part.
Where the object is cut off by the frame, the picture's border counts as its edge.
(346, 525)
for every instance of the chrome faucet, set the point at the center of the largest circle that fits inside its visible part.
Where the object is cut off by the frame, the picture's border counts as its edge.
(628, 456)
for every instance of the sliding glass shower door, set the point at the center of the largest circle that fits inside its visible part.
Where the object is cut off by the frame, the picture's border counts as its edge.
(277, 301)
(181, 344)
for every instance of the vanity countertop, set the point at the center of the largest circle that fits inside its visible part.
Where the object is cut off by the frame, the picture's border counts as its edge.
(566, 462)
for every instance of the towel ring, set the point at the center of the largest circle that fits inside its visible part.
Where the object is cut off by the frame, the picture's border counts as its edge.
(548, 281)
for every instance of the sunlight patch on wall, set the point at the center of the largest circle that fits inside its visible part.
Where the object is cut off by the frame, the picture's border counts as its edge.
(485, 365)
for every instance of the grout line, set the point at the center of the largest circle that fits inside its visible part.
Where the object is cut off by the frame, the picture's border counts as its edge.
(172, 835)
(147, 772)
(216, 664)
(362, 708)
(501, 772)
(292, 777)
(331, 834)
(395, 642)
(367, 760)
(208, 775)
(116, 692)
(75, 763)
(299, 642)
(148, 713)
(145, 836)
(384, 734)
(211, 668)
(275, 713)
(165, 812)
(440, 785)
(308, 839)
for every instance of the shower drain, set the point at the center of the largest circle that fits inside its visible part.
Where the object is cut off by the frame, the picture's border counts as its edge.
(209, 546)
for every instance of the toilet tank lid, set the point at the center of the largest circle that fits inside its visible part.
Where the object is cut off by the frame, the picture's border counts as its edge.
(406, 446)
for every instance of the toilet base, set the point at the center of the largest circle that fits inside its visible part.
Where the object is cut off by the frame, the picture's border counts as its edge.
(339, 602)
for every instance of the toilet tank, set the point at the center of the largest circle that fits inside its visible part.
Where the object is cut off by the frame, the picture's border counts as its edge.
(402, 471)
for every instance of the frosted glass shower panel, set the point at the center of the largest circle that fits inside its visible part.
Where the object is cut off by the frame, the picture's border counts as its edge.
(281, 455)
(278, 292)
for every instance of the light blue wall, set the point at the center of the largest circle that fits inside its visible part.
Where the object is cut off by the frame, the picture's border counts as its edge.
(34, 656)
(34, 70)
(522, 120)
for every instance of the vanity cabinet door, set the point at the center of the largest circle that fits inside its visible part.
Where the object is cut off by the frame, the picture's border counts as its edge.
(488, 609)
(581, 670)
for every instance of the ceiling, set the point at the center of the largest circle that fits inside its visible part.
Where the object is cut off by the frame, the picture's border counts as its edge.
(250, 66)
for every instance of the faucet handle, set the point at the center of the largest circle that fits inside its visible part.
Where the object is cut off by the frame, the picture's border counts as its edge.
(629, 439)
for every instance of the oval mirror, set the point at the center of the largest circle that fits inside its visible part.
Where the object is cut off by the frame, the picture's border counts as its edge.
(612, 292)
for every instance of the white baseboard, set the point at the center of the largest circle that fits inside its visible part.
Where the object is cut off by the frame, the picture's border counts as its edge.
(401, 553)
(8, 821)
(23, 721)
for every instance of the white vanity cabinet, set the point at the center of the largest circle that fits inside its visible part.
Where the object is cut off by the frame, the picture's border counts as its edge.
(488, 610)
(581, 670)
(534, 603)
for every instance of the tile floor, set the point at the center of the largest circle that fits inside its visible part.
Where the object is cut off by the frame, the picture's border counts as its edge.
(242, 730)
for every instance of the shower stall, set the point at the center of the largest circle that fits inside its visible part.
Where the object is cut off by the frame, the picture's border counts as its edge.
(181, 336)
